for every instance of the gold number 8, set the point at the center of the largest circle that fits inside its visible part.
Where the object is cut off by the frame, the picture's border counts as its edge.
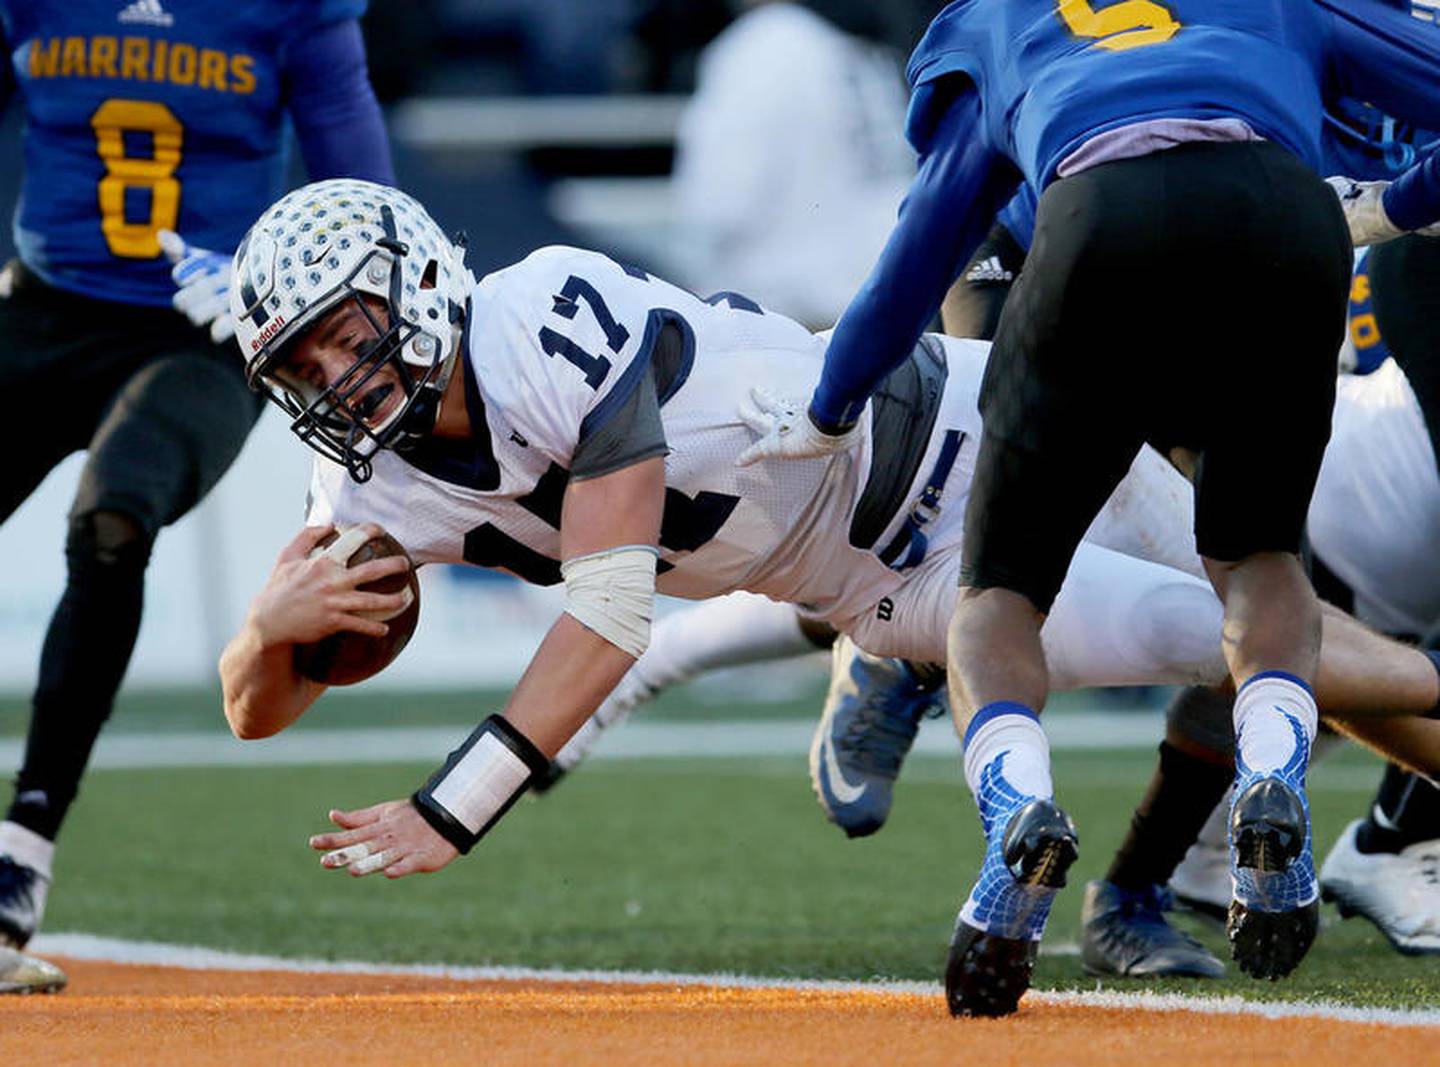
(137, 240)
(1132, 24)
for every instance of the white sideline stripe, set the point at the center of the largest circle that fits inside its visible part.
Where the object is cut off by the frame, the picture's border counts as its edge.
(635, 740)
(512, 123)
(194, 957)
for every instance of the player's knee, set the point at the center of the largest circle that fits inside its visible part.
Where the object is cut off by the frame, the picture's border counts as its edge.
(1178, 624)
(109, 539)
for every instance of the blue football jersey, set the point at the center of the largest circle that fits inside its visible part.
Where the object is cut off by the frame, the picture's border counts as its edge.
(1054, 73)
(1361, 141)
(148, 115)
(1362, 326)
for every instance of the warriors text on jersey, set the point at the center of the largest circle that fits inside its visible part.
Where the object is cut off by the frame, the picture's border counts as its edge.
(157, 114)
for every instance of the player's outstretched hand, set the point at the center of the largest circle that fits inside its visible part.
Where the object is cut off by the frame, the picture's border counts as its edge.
(202, 280)
(307, 598)
(390, 837)
(786, 431)
(1364, 206)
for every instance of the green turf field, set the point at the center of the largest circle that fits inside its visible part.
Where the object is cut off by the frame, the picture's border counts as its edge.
(682, 865)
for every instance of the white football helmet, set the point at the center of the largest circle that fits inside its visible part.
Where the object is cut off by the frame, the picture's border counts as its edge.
(322, 245)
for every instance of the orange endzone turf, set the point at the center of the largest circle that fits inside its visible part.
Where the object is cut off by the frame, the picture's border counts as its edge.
(129, 1016)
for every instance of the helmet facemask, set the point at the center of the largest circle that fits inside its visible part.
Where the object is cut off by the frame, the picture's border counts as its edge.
(337, 419)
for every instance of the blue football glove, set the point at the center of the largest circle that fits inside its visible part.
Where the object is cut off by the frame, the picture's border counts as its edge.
(202, 280)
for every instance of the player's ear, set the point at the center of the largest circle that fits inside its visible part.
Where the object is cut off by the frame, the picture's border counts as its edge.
(427, 280)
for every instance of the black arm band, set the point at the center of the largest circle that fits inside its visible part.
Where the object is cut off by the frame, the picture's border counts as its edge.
(480, 782)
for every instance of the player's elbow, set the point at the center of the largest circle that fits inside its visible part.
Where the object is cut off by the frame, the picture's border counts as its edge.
(245, 721)
(247, 728)
(241, 703)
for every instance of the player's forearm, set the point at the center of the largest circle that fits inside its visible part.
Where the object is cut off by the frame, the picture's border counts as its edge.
(960, 186)
(262, 690)
(484, 777)
(1413, 200)
(573, 671)
(333, 107)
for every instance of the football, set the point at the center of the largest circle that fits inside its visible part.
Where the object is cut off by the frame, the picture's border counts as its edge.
(345, 658)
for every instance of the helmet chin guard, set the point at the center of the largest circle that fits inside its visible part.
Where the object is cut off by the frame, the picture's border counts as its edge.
(314, 251)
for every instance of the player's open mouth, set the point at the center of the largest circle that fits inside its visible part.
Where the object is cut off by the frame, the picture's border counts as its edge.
(368, 409)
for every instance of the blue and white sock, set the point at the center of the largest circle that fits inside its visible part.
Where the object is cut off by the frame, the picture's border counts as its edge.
(1007, 765)
(1275, 723)
(1009, 732)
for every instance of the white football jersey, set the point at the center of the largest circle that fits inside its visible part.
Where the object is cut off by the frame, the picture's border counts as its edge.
(1375, 516)
(555, 344)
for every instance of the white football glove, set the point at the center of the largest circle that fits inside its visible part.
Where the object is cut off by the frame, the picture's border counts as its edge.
(202, 280)
(1365, 210)
(786, 431)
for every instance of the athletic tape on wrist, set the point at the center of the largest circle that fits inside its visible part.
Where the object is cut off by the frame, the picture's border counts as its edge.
(479, 783)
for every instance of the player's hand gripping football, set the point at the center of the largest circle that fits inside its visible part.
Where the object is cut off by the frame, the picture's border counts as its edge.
(306, 599)
(786, 431)
(390, 837)
(202, 280)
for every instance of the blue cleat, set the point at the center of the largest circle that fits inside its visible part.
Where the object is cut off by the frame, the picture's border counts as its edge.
(871, 715)
(1124, 932)
(1276, 910)
(1032, 844)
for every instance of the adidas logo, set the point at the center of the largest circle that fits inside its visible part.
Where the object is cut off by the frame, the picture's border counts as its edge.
(148, 13)
(1425, 10)
(989, 270)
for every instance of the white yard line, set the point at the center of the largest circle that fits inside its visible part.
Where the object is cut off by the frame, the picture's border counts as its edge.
(193, 957)
(635, 740)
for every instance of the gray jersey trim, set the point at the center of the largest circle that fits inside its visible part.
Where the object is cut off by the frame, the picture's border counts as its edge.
(903, 417)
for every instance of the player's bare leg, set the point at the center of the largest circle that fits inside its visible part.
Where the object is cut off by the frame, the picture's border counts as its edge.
(1272, 644)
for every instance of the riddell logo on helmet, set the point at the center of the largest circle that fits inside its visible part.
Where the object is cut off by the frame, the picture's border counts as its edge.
(269, 330)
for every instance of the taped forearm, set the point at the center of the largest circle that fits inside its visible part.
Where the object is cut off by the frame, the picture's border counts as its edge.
(612, 593)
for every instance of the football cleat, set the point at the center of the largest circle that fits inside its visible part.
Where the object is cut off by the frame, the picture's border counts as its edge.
(1276, 910)
(22, 902)
(27, 974)
(997, 933)
(871, 715)
(1123, 932)
(1398, 892)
